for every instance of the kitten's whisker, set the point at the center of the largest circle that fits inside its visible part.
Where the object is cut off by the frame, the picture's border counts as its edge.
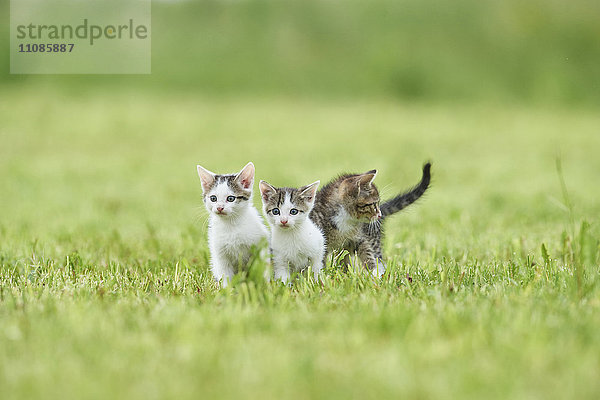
(372, 227)
(384, 192)
(201, 218)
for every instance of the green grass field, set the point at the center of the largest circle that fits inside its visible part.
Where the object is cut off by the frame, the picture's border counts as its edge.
(105, 290)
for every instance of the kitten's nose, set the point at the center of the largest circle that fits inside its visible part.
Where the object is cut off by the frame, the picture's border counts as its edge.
(219, 209)
(284, 222)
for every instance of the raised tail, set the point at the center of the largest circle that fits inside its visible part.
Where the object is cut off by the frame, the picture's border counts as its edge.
(407, 198)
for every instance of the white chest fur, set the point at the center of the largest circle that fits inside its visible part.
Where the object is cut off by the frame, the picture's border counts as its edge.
(230, 239)
(347, 228)
(298, 248)
(344, 222)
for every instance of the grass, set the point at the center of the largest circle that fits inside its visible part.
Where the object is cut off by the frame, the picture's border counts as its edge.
(105, 290)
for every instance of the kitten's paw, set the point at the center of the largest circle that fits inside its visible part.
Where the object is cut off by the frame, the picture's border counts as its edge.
(223, 282)
(379, 270)
(285, 279)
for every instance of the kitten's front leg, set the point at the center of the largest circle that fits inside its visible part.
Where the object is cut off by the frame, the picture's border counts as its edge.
(317, 266)
(381, 266)
(346, 262)
(222, 271)
(373, 259)
(264, 256)
(281, 270)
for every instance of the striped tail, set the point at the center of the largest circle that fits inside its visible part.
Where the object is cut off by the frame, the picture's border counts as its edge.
(407, 198)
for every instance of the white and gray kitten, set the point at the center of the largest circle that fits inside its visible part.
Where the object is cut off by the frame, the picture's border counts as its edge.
(234, 226)
(296, 242)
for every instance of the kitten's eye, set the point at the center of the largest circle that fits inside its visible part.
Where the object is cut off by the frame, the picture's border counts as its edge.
(293, 211)
(231, 199)
(213, 198)
(365, 206)
(275, 211)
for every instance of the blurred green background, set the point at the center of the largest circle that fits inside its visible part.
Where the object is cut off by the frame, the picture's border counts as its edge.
(533, 51)
(105, 290)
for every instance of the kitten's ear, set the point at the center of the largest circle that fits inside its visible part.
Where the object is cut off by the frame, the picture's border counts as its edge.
(309, 192)
(245, 177)
(367, 178)
(207, 178)
(266, 190)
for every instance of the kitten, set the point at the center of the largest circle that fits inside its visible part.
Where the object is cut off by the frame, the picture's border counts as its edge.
(234, 226)
(296, 242)
(348, 212)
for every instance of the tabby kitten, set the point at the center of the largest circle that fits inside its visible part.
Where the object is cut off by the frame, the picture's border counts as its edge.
(296, 242)
(348, 212)
(234, 225)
